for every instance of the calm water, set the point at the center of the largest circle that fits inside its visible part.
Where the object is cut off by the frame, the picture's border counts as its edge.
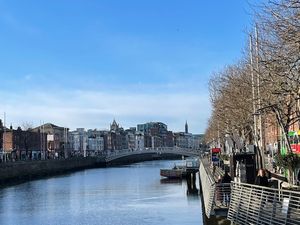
(130, 195)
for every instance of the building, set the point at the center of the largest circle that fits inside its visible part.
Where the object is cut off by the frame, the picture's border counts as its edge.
(186, 127)
(116, 137)
(95, 142)
(130, 138)
(198, 141)
(22, 145)
(168, 139)
(139, 141)
(156, 134)
(57, 140)
(156, 142)
(86, 143)
(78, 141)
(181, 140)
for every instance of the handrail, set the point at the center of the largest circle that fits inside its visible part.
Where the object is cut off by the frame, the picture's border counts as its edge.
(222, 195)
(252, 204)
(216, 195)
(122, 153)
(208, 189)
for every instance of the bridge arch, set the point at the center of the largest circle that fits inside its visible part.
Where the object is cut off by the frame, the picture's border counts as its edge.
(127, 156)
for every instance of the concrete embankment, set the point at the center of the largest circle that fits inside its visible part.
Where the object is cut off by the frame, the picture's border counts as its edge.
(17, 172)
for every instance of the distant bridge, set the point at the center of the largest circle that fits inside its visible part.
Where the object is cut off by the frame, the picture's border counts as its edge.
(153, 153)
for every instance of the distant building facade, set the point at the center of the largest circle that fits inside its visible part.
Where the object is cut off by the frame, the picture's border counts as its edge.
(21, 145)
(57, 140)
(139, 141)
(86, 143)
(156, 135)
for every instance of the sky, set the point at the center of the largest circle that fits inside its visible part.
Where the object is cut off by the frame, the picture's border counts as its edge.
(79, 63)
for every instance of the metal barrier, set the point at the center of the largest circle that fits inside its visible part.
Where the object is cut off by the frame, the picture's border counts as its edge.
(127, 152)
(222, 194)
(252, 204)
(208, 185)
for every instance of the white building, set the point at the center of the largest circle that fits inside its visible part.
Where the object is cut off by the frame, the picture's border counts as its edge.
(78, 140)
(86, 142)
(131, 140)
(139, 141)
(95, 144)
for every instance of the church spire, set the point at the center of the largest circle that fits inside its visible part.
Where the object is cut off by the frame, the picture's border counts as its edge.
(186, 127)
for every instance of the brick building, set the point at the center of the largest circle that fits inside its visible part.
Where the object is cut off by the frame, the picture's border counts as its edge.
(21, 145)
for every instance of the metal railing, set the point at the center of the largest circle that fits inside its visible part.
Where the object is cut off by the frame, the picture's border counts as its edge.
(222, 195)
(208, 185)
(252, 204)
(167, 150)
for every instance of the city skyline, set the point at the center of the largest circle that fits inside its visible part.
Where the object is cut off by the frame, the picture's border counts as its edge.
(30, 126)
(83, 64)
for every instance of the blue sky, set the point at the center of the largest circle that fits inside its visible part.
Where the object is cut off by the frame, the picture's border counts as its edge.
(83, 63)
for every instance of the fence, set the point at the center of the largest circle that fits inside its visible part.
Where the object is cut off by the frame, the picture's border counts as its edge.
(162, 150)
(222, 195)
(208, 185)
(252, 204)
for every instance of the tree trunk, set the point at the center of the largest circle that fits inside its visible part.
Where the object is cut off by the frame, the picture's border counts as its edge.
(283, 128)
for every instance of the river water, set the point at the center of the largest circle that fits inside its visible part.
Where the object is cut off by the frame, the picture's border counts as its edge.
(133, 194)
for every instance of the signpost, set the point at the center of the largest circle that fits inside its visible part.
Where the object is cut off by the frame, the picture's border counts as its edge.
(215, 155)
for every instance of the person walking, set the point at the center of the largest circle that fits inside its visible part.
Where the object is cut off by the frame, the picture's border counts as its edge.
(261, 178)
(226, 179)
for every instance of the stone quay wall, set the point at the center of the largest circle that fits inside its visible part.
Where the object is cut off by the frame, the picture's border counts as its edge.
(17, 172)
(21, 171)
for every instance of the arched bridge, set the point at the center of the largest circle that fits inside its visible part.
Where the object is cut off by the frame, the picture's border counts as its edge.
(149, 154)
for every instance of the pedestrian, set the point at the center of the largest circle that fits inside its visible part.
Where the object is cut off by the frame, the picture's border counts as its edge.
(219, 189)
(226, 179)
(214, 169)
(261, 178)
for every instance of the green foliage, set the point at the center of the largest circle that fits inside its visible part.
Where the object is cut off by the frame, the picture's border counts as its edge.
(288, 161)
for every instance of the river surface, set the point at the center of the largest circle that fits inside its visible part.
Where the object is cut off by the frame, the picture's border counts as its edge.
(133, 194)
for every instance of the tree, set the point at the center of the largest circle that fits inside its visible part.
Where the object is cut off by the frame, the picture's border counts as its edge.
(279, 62)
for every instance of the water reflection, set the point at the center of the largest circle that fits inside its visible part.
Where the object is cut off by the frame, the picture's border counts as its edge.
(171, 181)
(130, 195)
(192, 185)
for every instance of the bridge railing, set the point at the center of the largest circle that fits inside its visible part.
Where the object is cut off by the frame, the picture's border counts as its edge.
(252, 204)
(125, 152)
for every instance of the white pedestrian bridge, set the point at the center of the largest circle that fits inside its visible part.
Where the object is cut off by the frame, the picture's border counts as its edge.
(155, 152)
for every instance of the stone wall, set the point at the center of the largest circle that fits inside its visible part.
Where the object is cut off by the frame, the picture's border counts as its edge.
(21, 171)
(15, 172)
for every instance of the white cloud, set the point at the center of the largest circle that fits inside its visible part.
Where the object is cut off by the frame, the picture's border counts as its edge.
(93, 109)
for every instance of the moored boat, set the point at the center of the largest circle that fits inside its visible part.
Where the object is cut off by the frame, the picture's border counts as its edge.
(173, 173)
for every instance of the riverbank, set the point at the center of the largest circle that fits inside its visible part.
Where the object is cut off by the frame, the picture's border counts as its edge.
(22, 171)
(12, 173)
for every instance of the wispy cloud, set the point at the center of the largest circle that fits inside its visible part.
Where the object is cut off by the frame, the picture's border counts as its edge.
(94, 109)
